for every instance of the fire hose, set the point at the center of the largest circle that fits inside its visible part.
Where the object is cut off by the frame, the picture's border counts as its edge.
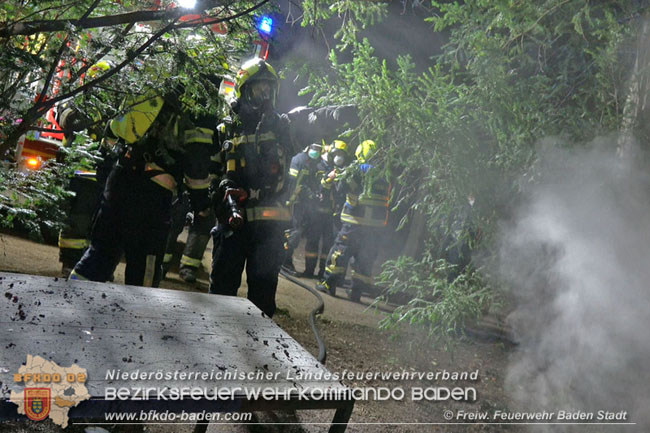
(322, 350)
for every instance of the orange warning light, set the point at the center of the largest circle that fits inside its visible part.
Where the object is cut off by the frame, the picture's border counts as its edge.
(33, 163)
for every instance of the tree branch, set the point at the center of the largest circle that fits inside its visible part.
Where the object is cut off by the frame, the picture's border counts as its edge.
(54, 65)
(40, 26)
(103, 52)
(143, 47)
(48, 79)
(207, 21)
(34, 112)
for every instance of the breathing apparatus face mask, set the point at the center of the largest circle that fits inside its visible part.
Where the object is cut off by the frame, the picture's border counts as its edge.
(339, 160)
(260, 94)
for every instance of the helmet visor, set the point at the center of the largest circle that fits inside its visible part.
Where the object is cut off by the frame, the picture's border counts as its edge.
(260, 93)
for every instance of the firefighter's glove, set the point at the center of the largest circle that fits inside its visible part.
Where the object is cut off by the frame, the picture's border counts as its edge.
(189, 218)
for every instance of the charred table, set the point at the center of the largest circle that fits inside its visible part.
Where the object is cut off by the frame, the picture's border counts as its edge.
(110, 329)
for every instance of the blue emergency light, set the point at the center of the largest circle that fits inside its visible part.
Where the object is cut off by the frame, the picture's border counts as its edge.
(265, 25)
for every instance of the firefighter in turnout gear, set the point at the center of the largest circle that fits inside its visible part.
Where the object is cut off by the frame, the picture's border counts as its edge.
(249, 193)
(200, 223)
(310, 210)
(364, 217)
(336, 158)
(87, 185)
(162, 148)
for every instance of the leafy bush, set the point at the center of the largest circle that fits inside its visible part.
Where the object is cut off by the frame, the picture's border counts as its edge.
(437, 303)
(35, 201)
(466, 128)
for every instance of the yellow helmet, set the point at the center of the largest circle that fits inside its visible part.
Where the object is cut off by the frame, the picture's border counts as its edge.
(99, 68)
(337, 153)
(254, 71)
(340, 145)
(365, 150)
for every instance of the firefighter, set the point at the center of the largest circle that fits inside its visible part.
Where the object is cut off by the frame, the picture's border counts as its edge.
(364, 217)
(313, 203)
(306, 205)
(335, 159)
(330, 200)
(250, 190)
(200, 223)
(161, 149)
(87, 185)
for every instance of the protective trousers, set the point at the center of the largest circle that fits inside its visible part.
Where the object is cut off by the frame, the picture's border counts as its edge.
(360, 242)
(134, 219)
(74, 238)
(197, 239)
(257, 246)
(320, 227)
(180, 208)
(299, 222)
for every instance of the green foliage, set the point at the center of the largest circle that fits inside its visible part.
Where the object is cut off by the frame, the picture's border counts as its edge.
(194, 56)
(145, 55)
(511, 73)
(354, 16)
(34, 201)
(437, 304)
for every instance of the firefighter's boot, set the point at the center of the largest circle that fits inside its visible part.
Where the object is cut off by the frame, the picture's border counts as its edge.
(326, 287)
(188, 274)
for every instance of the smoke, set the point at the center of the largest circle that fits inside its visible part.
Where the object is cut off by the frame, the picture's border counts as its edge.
(577, 256)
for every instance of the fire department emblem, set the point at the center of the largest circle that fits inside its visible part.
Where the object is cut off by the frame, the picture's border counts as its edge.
(37, 403)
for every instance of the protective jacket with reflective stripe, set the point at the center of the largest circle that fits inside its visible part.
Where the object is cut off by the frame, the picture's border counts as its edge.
(367, 198)
(304, 179)
(257, 162)
(171, 148)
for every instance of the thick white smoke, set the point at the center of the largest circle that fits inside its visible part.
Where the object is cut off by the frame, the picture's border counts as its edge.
(577, 256)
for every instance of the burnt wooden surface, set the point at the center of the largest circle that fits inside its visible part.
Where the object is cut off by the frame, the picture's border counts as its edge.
(103, 326)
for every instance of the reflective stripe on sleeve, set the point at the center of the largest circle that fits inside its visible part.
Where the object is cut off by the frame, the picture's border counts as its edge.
(251, 138)
(198, 135)
(197, 183)
(74, 275)
(165, 180)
